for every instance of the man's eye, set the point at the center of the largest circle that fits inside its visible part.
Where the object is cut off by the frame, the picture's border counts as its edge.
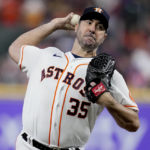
(100, 27)
(89, 21)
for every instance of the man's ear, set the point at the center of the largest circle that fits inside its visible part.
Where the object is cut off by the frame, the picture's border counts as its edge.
(105, 36)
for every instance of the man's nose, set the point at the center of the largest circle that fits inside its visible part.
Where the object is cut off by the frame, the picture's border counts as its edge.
(92, 28)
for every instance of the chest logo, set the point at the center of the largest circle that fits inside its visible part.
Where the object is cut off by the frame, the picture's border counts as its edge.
(55, 73)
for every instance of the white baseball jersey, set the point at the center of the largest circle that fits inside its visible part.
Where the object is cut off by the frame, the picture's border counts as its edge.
(56, 111)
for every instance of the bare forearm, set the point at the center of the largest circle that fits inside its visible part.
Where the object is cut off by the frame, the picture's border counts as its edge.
(35, 36)
(125, 118)
(32, 37)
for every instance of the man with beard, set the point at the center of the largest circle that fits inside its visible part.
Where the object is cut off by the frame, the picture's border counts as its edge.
(56, 112)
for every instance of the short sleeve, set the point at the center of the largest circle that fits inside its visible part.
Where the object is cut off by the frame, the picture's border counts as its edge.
(31, 55)
(120, 91)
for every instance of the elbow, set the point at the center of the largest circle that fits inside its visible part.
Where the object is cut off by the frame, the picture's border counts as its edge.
(134, 126)
(130, 126)
(10, 50)
(14, 52)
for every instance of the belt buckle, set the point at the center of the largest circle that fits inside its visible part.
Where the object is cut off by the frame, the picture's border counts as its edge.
(29, 140)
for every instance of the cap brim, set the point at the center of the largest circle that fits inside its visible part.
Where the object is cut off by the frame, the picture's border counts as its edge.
(97, 16)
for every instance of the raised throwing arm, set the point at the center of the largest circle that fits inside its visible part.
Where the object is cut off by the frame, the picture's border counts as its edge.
(35, 36)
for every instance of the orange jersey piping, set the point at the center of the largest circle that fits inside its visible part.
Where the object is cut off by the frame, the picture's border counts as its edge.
(63, 106)
(54, 100)
(131, 97)
(22, 50)
(129, 106)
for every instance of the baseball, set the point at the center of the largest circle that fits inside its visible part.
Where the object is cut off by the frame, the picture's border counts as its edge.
(75, 19)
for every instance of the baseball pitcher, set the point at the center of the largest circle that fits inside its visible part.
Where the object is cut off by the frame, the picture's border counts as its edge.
(67, 91)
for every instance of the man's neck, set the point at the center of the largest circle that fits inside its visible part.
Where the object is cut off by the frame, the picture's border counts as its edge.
(82, 53)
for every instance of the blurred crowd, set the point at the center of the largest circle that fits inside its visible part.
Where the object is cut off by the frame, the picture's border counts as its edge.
(128, 35)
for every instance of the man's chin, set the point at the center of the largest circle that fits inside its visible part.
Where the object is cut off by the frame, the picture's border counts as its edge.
(89, 48)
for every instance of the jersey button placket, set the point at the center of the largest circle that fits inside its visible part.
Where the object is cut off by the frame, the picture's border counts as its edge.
(57, 110)
(55, 124)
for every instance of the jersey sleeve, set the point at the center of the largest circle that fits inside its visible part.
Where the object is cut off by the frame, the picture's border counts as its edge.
(120, 91)
(31, 55)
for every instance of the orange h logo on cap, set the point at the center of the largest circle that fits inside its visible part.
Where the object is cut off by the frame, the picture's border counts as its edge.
(99, 10)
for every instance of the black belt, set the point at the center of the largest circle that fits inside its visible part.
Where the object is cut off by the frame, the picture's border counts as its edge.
(41, 146)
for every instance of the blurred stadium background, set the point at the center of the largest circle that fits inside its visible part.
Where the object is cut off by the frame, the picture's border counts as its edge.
(128, 41)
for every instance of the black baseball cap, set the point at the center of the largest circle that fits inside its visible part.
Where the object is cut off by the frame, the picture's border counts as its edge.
(96, 13)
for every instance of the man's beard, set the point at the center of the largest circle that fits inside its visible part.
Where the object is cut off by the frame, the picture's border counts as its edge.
(89, 47)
